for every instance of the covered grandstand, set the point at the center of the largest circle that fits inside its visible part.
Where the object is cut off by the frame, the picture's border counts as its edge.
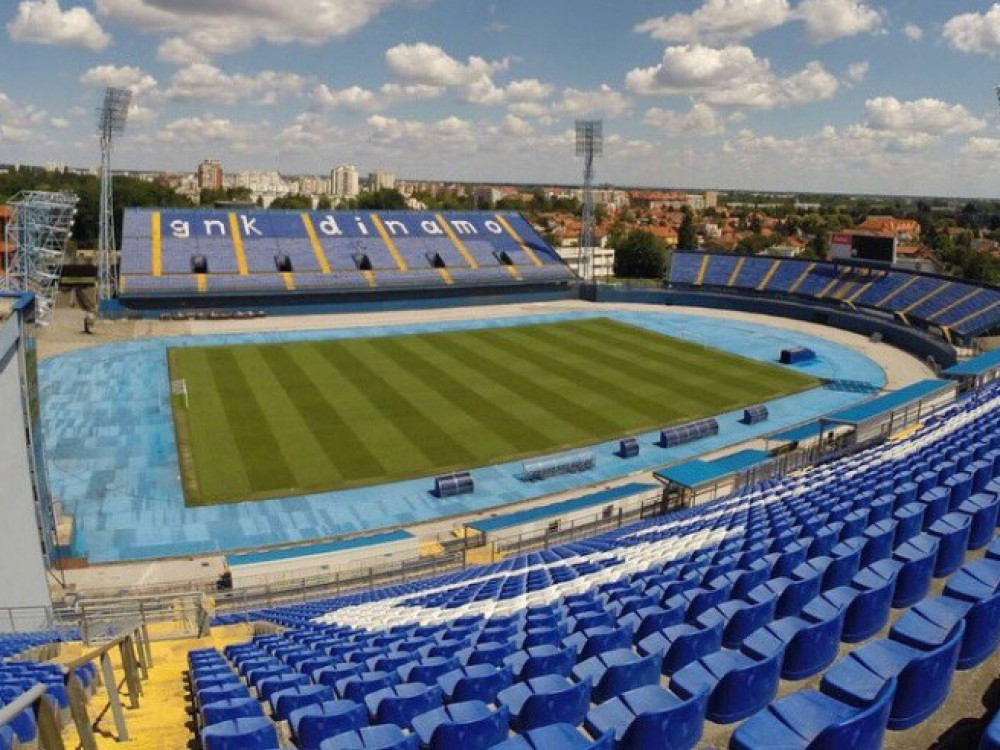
(210, 258)
(959, 309)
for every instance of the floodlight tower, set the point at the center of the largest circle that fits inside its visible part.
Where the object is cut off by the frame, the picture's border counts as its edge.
(111, 119)
(589, 143)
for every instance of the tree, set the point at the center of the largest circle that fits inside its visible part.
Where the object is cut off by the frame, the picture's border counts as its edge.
(324, 203)
(385, 199)
(687, 237)
(640, 255)
(296, 202)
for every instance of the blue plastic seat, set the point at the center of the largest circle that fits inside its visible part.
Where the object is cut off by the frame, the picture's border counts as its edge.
(428, 670)
(285, 701)
(356, 687)
(909, 522)
(467, 724)
(550, 699)
(271, 685)
(982, 509)
(615, 672)
(648, 620)
(381, 737)
(24, 725)
(539, 660)
(249, 733)
(739, 618)
(480, 682)
(649, 717)
(935, 502)
(866, 601)
(682, 644)
(737, 684)
(844, 563)
(952, 531)
(231, 708)
(597, 640)
(556, 737)
(880, 537)
(917, 558)
(811, 641)
(314, 723)
(923, 677)
(931, 621)
(218, 693)
(487, 653)
(793, 594)
(811, 719)
(398, 704)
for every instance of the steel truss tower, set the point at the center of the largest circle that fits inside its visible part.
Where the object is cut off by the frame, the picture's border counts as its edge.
(111, 119)
(589, 143)
(38, 231)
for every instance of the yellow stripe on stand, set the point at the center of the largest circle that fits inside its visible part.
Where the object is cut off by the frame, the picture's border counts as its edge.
(369, 277)
(446, 275)
(389, 243)
(702, 270)
(798, 281)
(768, 276)
(154, 222)
(882, 302)
(324, 264)
(457, 242)
(202, 280)
(517, 238)
(241, 256)
(736, 270)
(289, 281)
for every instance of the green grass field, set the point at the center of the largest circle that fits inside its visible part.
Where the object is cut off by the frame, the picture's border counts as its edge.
(270, 420)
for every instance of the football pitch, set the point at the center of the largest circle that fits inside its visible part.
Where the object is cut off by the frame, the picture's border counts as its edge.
(271, 420)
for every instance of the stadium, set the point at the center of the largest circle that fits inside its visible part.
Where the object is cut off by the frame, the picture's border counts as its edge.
(325, 478)
(403, 479)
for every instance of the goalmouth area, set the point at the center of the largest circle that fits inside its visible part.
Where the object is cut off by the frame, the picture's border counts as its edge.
(257, 421)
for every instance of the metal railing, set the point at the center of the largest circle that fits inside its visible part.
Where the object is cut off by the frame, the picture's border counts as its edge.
(136, 659)
(36, 700)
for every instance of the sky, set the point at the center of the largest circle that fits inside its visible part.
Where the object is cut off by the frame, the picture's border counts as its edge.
(857, 96)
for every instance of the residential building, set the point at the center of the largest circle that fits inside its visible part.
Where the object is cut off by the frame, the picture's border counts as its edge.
(344, 181)
(381, 179)
(210, 175)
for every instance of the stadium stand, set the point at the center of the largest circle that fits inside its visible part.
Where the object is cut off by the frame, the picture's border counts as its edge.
(642, 636)
(961, 307)
(199, 254)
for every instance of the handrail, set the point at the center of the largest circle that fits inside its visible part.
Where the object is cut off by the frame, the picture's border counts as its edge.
(34, 699)
(133, 646)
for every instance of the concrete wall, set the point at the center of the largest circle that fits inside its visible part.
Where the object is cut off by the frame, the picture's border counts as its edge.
(23, 580)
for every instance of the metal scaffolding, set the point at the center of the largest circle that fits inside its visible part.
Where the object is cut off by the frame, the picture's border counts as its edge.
(111, 119)
(589, 143)
(38, 230)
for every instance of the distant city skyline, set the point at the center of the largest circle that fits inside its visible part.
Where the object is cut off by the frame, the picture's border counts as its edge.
(849, 96)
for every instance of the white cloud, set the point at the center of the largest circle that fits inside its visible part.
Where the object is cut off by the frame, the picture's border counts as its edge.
(205, 82)
(202, 130)
(19, 122)
(361, 99)
(603, 100)
(224, 27)
(719, 20)
(59, 122)
(931, 117)
(827, 20)
(45, 22)
(975, 32)
(429, 64)
(701, 119)
(858, 71)
(124, 76)
(528, 90)
(913, 32)
(179, 51)
(732, 75)
(978, 146)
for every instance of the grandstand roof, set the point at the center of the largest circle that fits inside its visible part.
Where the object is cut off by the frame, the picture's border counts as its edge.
(890, 402)
(510, 520)
(697, 472)
(976, 366)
